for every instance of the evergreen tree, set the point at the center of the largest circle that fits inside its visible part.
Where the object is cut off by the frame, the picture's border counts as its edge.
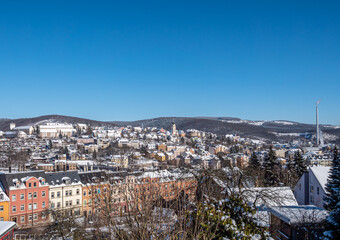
(332, 199)
(230, 218)
(254, 162)
(290, 173)
(94, 155)
(300, 164)
(271, 169)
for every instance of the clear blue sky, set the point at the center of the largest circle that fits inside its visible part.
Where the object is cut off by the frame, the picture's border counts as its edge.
(129, 60)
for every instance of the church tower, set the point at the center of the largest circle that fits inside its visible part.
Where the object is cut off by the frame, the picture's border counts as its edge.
(174, 131)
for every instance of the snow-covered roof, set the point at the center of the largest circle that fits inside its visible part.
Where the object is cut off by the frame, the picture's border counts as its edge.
(5, 226)
(300, 214)
(321, 173)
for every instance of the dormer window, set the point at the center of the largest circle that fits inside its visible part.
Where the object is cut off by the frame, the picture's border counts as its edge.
(35, 184)
(29, 185)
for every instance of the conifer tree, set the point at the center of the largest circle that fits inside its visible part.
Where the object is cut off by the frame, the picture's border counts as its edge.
(332, 199)
(254, 162)
(291, 173)
(300, 164)
(271, 169)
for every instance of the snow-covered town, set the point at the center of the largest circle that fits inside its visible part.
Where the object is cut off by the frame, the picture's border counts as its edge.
(169, 120)
(91, 172)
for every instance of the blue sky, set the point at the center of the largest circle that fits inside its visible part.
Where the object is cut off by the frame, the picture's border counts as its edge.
(129, 60)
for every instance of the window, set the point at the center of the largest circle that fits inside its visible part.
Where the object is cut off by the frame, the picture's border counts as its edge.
(43, 215)
(30, 217)
(90, 201)
(90, 192)
(84, 202)
(58, 204)
(66, 193)
(22, 196)
(30, 196)
(22, 219)
(78, 191)
(70, 192)
(84, 192)
(52, 205)
(1, 208)
(58, 194)
(311, 189)
(43, 193)
(52, 194)
(317, 190)
(29, 185)
(35, 184)
(35, 206)
(43, 183)
(22, 208)
(78, 201)
(71, 203)
(35, 216)
(66, 203)
(14, 208)
(43, 204)
(14, 197)
(35, 195)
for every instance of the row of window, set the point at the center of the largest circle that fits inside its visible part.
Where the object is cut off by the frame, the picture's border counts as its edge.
(22, 196)
(22, 207)
(35, 217)
(67, 193)
(35, 184)
(67, 203)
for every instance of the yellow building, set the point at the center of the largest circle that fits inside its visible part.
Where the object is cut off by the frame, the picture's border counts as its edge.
(160, 156)
(4, 206)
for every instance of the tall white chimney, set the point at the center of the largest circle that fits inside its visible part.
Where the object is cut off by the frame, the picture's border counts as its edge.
(317, 124)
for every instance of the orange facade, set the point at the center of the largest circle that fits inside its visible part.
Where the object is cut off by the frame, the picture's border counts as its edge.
(28, 202)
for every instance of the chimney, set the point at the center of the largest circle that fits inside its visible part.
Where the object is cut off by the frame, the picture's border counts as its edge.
(317, 124)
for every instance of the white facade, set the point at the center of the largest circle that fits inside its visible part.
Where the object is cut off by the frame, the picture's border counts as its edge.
(310, 189)
(54, 129)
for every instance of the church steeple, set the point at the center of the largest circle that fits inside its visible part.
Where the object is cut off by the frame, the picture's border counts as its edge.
(174, 131)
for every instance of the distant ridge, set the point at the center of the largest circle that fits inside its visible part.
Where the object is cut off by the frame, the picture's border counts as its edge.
(266, 130)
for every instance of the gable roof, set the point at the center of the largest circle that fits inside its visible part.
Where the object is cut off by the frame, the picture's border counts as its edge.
(321, 173)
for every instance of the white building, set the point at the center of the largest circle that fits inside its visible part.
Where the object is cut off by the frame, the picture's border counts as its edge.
(65, 191)
(55, 129)
(310, 189)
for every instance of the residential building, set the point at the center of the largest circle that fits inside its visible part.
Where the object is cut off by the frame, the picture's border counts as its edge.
(65, 191)
(28, 193)
(297, 222)
(310, 189)
(4, 206)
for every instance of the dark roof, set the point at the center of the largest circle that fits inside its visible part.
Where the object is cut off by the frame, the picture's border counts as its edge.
(57, 177)
(89, 177)
(7, 178)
